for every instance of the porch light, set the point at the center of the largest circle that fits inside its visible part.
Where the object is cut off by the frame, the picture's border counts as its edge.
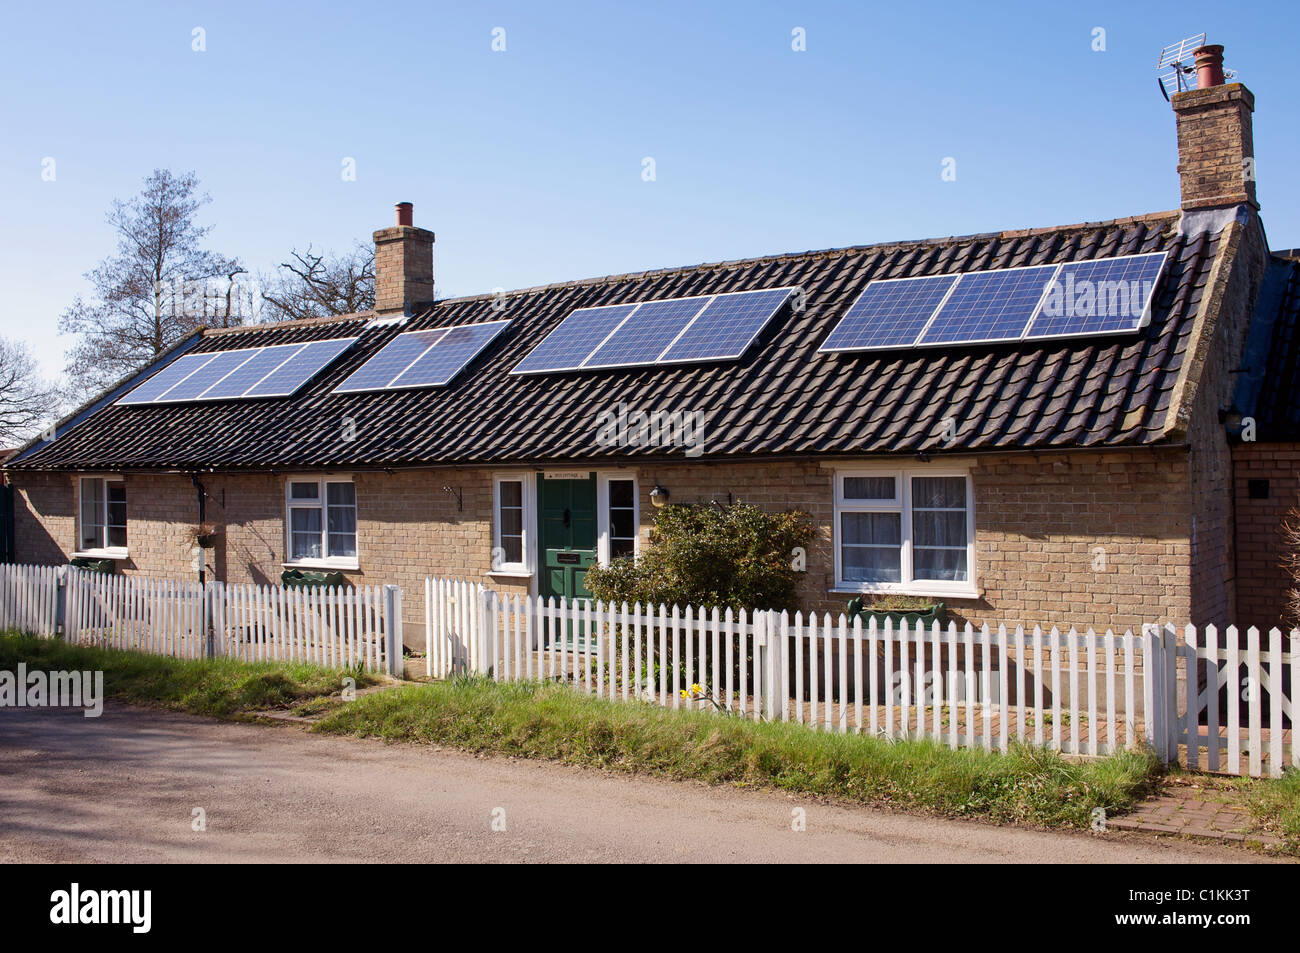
(658, 496)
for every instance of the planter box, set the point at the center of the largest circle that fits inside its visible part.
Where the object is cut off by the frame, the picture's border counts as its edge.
(936, 613)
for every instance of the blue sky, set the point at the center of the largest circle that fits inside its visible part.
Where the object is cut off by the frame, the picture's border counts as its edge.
(528, 163)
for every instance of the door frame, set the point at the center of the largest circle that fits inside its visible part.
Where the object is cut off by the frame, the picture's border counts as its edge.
(531, 569)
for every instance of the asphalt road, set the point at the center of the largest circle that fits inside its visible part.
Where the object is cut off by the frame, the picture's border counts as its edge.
(124, 788)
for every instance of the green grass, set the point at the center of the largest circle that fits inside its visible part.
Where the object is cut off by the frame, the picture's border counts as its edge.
(219, 687)
(541, 720)
(1275, 803)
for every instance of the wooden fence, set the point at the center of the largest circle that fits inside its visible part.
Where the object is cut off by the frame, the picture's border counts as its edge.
(29, 598)
(187, 619)
(1081, 693)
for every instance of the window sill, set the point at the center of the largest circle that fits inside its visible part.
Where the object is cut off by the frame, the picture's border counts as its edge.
(101, 554)
(510, 573)
(910, 590)
(337, 564)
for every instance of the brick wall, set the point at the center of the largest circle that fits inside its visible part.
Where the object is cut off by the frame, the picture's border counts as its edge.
(1086, 538)
(1262, 583)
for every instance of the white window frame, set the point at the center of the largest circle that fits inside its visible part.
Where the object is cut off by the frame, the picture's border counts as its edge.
(100, 552)
(902, 504)
(603, 539)
(328, 562)
(526, 567)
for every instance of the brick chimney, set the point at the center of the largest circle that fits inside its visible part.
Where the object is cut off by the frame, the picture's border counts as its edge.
(403, 263)
(1216, 149)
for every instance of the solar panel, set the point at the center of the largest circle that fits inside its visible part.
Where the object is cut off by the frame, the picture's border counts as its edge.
(192, 387)
(1107, 296)
(727, 326)
(565, 348)
(251, 372)
(395, 357)
(646, 333)
(1102, 296)
(449, 355)
(166, 379)
(889, 313)
(989, 306)
(290, 376)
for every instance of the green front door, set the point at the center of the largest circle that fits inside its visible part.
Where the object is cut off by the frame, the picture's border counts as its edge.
(566, 513)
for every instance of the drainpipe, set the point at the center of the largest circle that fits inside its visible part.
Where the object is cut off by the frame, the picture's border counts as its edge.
(203, 512)
(203, 567)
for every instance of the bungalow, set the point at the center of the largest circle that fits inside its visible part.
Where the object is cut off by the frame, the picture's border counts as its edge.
(982, 420)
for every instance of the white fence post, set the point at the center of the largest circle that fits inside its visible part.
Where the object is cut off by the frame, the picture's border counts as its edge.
(483, 633)
(393, 629)
(774, 701)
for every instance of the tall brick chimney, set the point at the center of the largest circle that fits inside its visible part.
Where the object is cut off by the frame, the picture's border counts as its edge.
(403, 263)
(1216, 149)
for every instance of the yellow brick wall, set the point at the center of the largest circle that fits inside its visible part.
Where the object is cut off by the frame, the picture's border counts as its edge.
(1042, 521)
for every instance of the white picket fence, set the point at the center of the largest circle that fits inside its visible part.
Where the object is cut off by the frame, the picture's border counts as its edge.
(29, 598)
(187, 619)
(1081, 693)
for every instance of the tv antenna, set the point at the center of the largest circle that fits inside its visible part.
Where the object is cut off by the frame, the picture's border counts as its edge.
(1177, 66)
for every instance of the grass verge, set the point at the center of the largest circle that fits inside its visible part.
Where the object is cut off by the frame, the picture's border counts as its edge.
(219, 687)
(543, 720)
(1275, 804)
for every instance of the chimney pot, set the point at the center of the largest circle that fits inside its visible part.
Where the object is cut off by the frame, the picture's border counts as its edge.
(406, 211)
(1209, 66)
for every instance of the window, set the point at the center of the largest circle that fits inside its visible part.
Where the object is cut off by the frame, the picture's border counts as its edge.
(322, 522)
(909, 531)
(617, 515)
(101, 515)
(512, 531)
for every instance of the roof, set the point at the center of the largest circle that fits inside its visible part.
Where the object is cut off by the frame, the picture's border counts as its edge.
(782, 398)
(1277, 412)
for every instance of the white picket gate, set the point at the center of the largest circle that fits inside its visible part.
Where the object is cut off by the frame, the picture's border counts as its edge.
(1081, 693)
(1226, 688)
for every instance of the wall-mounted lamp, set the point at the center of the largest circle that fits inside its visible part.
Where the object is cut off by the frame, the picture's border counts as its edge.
(455, 491)
(658, 496)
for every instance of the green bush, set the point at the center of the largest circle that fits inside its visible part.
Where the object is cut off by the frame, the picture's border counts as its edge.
(737, 556)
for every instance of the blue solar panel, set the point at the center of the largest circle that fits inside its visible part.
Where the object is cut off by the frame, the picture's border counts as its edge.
(1108, 296)
(166, 379)
(250, 373)
(646, 333)
(192, 387)
(397, 355)
(449, 355)
(889, 313)
(989, 306)
(300, 368)
(565, 348)
(727, 326)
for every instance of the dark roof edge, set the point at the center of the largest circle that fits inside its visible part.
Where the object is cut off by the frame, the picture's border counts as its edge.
(607, 462)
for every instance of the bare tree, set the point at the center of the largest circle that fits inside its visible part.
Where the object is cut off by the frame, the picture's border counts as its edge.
(27, 403)
(1291, 563)
(314, 285)
(159, 285)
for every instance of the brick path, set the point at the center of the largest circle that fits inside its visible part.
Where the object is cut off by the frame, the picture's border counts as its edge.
(1185, 811)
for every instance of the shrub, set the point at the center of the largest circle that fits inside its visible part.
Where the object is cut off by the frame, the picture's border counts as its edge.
(738, 556)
